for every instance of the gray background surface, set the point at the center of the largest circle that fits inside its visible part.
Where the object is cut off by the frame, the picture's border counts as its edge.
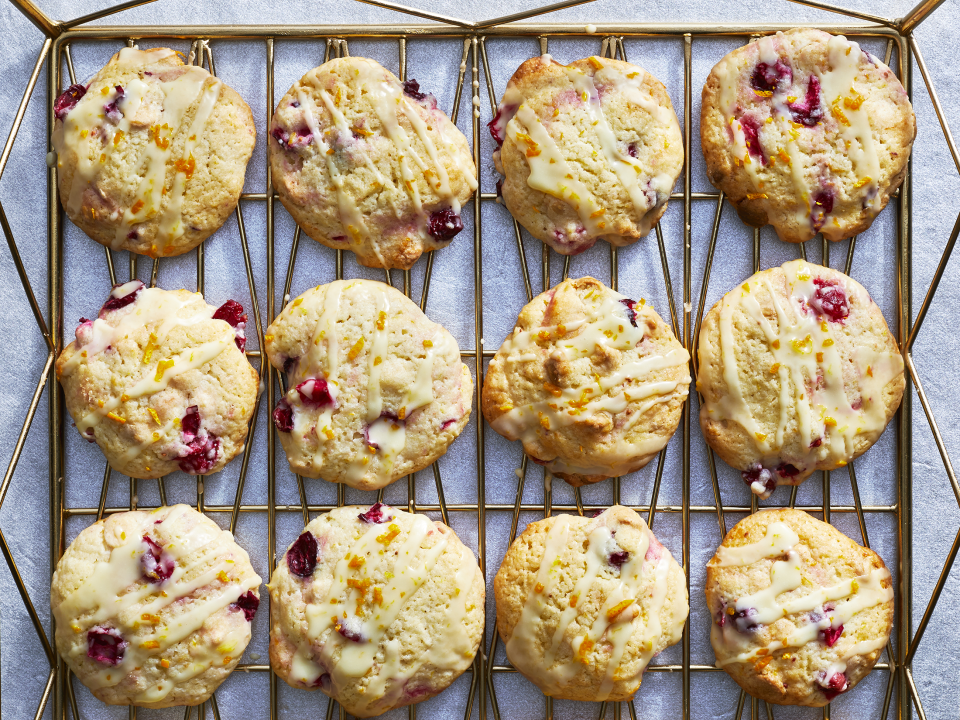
(24, 515)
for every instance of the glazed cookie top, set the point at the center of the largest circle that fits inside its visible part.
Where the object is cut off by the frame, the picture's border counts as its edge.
(800, 611)
(368, 163)
(151, 152)
(153, 608)
(375, 390)
(160, 382)
(590, 381)
(584, 604)
(589, 150)
(798, 373)
(377, 607)
(806, 131)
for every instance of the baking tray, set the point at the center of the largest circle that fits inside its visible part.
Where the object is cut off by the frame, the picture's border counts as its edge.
(682, 494)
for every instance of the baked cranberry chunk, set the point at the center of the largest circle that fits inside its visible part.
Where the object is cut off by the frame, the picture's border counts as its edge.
(248, 604)
(105, 645)
(67, 100)
(302, 555)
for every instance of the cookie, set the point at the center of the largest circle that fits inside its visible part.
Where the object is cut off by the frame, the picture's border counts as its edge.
(798, 373)
(584, 604)
(593, 383)
(160, 382)
(807, 132)
(374, 389)
(153, 608)
(367, 163)
(377, 607)
(151, 153)
(588, 151)
(800, 611)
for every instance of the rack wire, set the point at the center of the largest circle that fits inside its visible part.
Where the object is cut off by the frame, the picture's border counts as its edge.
(56, 51)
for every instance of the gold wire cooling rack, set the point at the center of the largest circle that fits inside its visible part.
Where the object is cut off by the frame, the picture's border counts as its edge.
(900, 691)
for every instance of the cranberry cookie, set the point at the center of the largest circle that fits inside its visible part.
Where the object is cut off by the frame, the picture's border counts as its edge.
(377, 607)
(800, 612)
(375, 390)
(798, 373)
(588, 151)
(160, 382)
(592, 382)
(807, 132)
(153, 608)
(151, 153)
(584, 604)
(367, 163)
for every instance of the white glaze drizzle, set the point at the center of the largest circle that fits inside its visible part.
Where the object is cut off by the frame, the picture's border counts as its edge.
(117, 594)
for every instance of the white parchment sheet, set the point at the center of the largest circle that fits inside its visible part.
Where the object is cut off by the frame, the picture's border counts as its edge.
(24, 517)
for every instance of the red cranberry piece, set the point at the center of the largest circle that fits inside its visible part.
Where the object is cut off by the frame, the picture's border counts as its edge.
(232, 312)
(447, 423)
(315, 392)
(301, 137)
(751, 135)
(339, 238)
(302, 555)
(323, 681)
(283, 416)
(822, 206)
(767, 78)
(444, 224)
(498, 126)
(115, 303)
(202, 452)
(836, 685)
(618, 558)
(376, 514)
(111, 109)
(816, 443)
(280, 135)
(744, 622)
(67, 100)
(631, 313)
(722, 614)
(105, 645)
(157, 565)
(351, 629)
(787, 470)
(411, 88)
(632, 150)
(248, 604)
(190, 425)
(809, 112)
(830, 300)
(831, 635)
(761, 475)
(290, 364)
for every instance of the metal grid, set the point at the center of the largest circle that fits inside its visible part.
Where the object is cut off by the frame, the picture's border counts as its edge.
(898, 33)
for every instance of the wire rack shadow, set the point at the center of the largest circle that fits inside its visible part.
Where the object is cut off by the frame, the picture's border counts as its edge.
(55, 53)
